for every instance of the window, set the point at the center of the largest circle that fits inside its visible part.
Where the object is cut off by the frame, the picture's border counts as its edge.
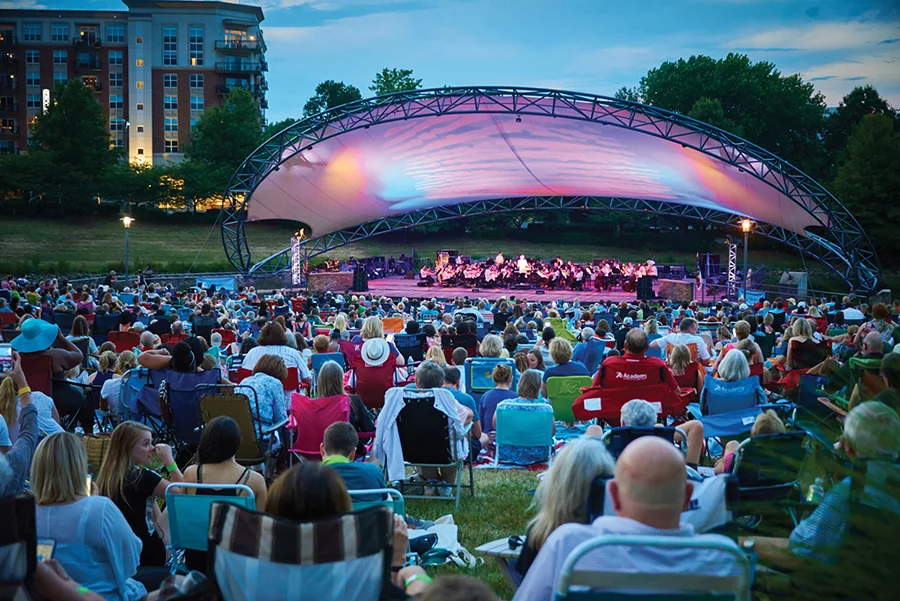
(195, 37)
(117, 124)
(170, 124)
(170, 80)
(7, 146)
(115, 80)
(7, 126)
(115, 102)
(171, 146)
(115, 33)
(170, 45)
(33, 101)
(140, 129)
(196, 103)
(170, 102)
(59, 33)
(140, 151)
(197, 81)
(32, 78)
(31, 32)
(193, 123)
(140, 106)
(140, 85)
(115, 57)
(60, 57)
(139, 62)
(32, 57)
(118, 142)
(139, 40)
(60, 77)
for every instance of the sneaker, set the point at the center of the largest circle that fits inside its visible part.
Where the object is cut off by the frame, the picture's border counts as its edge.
(417, 524)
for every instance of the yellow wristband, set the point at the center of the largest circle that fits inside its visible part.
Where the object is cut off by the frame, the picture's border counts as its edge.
(24, 390)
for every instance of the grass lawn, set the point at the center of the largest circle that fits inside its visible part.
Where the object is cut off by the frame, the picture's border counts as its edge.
(499, 510)
(97, 245)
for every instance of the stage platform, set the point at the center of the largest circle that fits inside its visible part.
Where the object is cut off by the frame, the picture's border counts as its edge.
(398, 286)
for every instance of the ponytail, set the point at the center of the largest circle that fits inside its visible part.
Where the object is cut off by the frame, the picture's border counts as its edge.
(8, 404)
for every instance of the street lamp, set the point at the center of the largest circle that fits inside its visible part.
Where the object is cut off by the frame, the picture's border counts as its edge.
(126, 221)
(745, 226)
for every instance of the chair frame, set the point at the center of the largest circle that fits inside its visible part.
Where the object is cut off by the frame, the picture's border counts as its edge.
(551, 446)
(394, 501)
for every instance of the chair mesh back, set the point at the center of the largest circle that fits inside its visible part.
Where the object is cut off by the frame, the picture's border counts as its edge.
(619, 438)
(771, 460)
(808, 354)
(184, 401)
(237, 407)
(719, 396)
(424, 432)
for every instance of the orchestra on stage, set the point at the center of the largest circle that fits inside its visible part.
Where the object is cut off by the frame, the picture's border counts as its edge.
(500, 272)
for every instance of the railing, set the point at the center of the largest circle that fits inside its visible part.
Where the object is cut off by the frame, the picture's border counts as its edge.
(237, 45)
(88, 65)
(10, 131)
(9, 41)
(234, 67)
(263, 65)
(87, 42)
(263, 103)
(226, 89)
(98, 87)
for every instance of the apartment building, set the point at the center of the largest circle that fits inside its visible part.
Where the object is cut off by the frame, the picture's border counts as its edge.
(154, 67)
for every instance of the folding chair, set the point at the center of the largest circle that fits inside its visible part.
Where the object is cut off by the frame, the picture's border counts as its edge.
(317, 360)
(189, 514)
(392, 325)
(332, 559)
(373, 382)
(65, 321)
(810, 415)
(520, 425)
(383, 497)
(181, 412)
(172, 338)
(124, 341)
(411, 346)
(623, 583)
(618, 438)
(428, 440)
(308, 420)
(562, 392)
(83, 345)
(203, 326)
(259, 444)
(767, 468)
(727, 408)
(561, 327)
(479, 375)
(466, 341)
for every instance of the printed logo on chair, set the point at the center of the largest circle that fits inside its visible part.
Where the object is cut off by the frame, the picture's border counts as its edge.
(748, 420)
(592, 404)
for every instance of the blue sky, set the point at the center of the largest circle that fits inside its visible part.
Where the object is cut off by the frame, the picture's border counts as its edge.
(592, 46)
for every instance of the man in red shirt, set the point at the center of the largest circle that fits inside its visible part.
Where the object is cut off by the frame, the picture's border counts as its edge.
(634, 369)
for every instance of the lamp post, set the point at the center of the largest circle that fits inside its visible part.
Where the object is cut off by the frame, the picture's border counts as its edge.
(126, 221)
(745, 226)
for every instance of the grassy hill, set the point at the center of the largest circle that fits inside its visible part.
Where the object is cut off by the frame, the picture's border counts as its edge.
(98, 244)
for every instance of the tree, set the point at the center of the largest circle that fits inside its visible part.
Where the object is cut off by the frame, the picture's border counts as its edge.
(389, 81)
(330, 94)
(861, 101)
(782, 114)
(225, 135)
(631, 94)
(273, 128)
(70, 146)
(868, 181)
(709, 110)
(135, 184)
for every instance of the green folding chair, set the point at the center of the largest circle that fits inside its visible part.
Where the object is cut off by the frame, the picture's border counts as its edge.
(562, 392)
(561, 327)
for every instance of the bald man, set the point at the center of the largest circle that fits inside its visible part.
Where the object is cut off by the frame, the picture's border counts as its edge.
(649, 492)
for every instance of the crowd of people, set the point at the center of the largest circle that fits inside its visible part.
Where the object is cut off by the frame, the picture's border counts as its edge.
(111, 532)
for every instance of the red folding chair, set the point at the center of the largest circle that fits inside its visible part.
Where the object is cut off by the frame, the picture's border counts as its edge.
(228, 336)
(38, 370)
(308, 420)
(373, 382)
(6, 318)
(172, 338)
(124, 341)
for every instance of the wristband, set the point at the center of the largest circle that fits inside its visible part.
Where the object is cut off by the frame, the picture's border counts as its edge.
(83, 589)
(172, 468)
(417, 578)
(24, 390)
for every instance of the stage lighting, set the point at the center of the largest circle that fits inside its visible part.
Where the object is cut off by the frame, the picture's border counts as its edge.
(518, 119)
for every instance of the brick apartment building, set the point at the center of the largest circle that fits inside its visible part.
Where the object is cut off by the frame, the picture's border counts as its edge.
(154, 67)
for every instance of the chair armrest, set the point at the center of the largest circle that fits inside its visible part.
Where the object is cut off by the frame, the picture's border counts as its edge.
(275, 427)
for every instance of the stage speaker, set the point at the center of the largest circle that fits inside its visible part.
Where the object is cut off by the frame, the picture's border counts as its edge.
(360, 280)
(645, 288)
(476, 289)
(410, 275)
(539, 291)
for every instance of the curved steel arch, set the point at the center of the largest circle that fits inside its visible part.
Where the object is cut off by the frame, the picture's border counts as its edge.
(841, 242)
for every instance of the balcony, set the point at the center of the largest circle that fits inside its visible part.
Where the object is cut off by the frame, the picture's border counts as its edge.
(237, 46)
(95, 85)
(9, 84)
(238, 67)
(226, 89)
(263, 65)
(8, 62)
(9, 41)
(263, 103)
(87, 42)
(92, 64)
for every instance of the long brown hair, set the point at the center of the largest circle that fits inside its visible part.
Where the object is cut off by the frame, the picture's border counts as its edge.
(118, 464)
(8, 403)
(309, 491)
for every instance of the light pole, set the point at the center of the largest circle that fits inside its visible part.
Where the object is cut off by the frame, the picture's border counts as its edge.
(126, 221)
(745, 226)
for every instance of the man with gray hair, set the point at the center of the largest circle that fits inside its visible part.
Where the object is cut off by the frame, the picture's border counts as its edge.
(871, 432)
(148, 340)
(638, 413)
(590, 351)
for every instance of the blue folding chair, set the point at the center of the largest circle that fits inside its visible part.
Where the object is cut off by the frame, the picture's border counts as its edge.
(64, 321)
(183, 393)
(728, 408)
(622, 584)
(479, 375)
(411, 346)
(189, 514)
(319, 359)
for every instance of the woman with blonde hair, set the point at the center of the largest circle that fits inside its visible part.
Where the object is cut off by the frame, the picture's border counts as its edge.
(127, 480)
(688, 373)
(111, 391)
(436, 354)
(744, 342)
(800, 332)
(561, 353)
(492, 346)
(562, 496)
(766, 423)
(374, 328)
(94, 544)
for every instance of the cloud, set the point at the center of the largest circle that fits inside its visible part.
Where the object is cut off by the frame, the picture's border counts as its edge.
(857, 78)
(822, 36)
(880, 71)
(21, 4)
(823, 78)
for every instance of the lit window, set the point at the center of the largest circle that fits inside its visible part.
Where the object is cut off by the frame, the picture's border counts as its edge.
(140, 85)
(115, 33)
(171, 146)
(195, 35)
(59, 33)
(31, 32)
(139, 62)
(170, 45)
(60, 57)
(32, 57)
(197, 80)
(170, 102)
(115, 57)
(170, 80)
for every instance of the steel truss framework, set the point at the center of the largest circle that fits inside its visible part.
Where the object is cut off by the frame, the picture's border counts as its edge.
(838, 240)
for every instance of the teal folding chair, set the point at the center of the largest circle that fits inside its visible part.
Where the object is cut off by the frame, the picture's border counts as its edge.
(189, 515)
(610, 585)
(393, 499)
(523, 428)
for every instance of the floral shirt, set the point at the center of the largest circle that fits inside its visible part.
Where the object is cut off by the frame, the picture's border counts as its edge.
(269, 394)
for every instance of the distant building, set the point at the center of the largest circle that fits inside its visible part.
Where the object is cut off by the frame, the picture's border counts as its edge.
(155, 67)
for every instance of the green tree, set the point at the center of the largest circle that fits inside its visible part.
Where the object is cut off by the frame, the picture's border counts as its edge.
(389, 81)
(226, 135)
(861, 101)
(782, 114)
(135, 184)
(709, 110)
(868, 182)
(69, 146)
(200, 181)
(273, 128)
(631, 94)
(330, 94)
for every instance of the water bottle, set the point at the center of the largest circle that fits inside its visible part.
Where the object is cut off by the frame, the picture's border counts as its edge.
(816, 492)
